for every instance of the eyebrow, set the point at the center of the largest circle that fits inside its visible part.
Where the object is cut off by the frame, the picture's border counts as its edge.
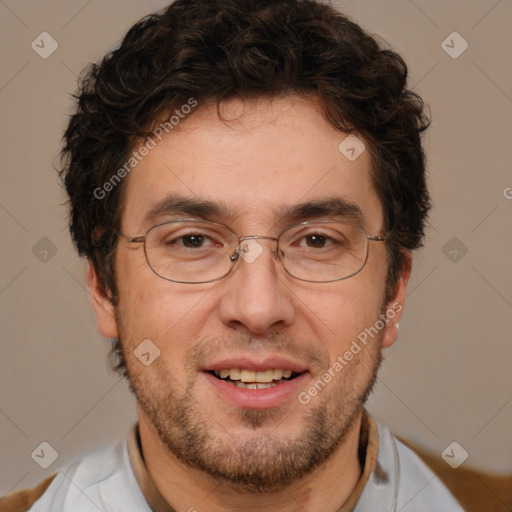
(176, 204)
(330, 207)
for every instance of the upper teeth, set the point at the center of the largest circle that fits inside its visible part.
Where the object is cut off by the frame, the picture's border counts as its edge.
(252, 376)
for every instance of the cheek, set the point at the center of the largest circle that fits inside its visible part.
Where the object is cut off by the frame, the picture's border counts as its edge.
(145, 315)
(160, 316)
(151, 307)
(338, 313)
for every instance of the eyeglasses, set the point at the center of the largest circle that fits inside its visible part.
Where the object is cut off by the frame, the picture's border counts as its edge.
(193, 251)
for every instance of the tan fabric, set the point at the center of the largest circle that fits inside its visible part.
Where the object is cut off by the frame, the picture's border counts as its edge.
(148, 488)
(21, 501)
(368, 449)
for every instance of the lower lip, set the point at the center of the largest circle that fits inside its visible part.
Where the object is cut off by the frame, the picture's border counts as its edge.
(257, 398)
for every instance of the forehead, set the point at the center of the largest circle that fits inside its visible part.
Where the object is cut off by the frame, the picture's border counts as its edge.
(257, 162)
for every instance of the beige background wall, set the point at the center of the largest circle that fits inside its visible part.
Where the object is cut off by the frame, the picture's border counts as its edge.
(447, 378)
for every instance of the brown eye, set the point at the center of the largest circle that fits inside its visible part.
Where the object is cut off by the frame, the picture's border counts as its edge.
(316, 240)
(193, 241)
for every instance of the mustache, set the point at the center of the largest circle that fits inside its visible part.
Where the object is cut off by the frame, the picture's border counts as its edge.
(209, 348)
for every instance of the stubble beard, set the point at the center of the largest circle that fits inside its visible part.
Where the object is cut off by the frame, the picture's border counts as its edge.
(265, 460)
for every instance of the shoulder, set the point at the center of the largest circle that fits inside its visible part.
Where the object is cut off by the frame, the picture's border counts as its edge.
(417, 487)
(102, 480)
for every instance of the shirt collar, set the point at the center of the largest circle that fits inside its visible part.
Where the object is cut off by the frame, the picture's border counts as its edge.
(368, 449)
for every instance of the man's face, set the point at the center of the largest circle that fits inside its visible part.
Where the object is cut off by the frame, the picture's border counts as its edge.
(270, 156)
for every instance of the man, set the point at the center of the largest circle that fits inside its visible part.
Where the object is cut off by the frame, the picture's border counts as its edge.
(247, 182)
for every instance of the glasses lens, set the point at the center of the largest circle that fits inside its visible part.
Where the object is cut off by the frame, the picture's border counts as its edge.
(324, 251)
(190, 251)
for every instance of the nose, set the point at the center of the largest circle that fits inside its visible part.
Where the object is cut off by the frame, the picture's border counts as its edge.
(256, 295)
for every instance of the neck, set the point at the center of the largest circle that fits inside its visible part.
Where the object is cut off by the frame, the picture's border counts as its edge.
(185, 488)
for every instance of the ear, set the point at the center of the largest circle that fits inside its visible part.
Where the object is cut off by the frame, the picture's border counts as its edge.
(102, 304)
(395, 306)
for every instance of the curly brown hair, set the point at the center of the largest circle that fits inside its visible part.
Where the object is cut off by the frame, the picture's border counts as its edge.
(214, 50)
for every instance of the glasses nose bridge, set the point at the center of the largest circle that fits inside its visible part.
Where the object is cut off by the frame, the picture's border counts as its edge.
(254, 237)
(242, 239)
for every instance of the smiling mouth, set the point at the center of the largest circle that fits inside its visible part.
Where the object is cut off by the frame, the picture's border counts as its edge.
(249, 379)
